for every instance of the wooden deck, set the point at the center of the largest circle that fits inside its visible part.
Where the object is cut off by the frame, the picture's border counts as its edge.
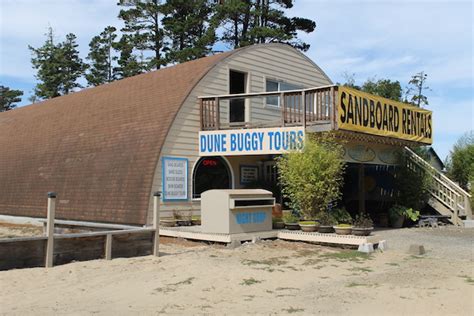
(195, 233)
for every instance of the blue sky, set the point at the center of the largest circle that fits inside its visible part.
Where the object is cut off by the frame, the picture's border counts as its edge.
(372, 39)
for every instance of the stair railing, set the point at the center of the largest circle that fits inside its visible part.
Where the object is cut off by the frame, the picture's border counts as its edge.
(450, 194)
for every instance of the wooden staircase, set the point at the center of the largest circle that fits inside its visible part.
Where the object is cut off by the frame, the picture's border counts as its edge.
(447, 198)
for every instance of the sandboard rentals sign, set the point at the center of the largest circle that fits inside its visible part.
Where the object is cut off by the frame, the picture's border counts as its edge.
(366, 113)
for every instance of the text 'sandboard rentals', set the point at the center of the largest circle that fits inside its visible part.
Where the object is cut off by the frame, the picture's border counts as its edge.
(366, 113)
(251, 141)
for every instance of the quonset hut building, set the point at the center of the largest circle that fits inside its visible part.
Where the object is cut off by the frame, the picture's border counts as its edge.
(182, 130)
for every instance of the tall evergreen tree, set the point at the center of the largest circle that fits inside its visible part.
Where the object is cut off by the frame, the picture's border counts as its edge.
(58, 66)
(249, 22)
(190, 27)
(101, 68)
(128, 63)
(46, 61)
(8, 98)
(142, 20)
(71, 65)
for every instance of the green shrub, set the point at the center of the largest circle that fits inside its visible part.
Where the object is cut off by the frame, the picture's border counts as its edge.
(290, 218)
(363, 221)
(312, 178)
(399, 210)
(308, 223)
(413, 184)
(341, 215)
(343, 225)
(326, 219)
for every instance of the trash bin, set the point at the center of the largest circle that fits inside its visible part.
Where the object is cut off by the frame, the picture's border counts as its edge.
(236, 211)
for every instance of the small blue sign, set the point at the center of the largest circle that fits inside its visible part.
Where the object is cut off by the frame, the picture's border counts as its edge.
(251, 218)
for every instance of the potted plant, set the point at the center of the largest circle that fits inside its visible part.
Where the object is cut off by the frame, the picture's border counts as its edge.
(311, 177)
(326, 223)
(363, 225)
(398, 214)
(291, 221)
(309, 226)
(278, 223)
(343, 229)
(196, 220)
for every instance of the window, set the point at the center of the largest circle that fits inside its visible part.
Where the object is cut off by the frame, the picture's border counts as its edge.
(210, 173)
(274, 85)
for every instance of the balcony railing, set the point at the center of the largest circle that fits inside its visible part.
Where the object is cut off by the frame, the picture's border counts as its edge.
(294, 108)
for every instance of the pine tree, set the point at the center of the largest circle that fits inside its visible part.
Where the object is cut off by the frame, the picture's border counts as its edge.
(248, 22)
(8, 98)
(186, 26)
(71, 65)
(143, 28)
(46, 60)
(128, 63)
(101, 68)
(58, 66)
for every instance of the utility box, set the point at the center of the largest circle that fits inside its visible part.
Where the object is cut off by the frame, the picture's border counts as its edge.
(236, 211)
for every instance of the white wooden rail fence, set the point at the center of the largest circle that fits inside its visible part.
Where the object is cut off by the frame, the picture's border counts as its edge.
(49, 255)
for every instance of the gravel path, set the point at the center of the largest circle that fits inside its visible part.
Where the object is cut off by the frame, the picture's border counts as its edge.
(443, 242)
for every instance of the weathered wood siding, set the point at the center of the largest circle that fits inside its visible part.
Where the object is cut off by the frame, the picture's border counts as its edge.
(272, 61)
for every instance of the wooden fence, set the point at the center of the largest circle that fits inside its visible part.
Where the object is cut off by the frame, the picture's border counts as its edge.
(50, 250)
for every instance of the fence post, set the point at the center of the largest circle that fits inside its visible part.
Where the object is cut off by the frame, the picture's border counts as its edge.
(108, 247)
(156, 223)
(50, 229)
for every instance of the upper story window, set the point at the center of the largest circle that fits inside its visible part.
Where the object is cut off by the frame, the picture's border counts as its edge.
(275, 85)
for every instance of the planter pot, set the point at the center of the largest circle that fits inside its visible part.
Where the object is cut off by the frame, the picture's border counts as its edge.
(292, 226)
(309, 227)
(278, 225)
(359, 231)
(397, 221)
(196, 222)
(343, 230)
(324, 229)
(167, 223)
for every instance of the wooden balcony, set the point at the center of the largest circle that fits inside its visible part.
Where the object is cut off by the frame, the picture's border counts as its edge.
(314, 107)
(363, 117)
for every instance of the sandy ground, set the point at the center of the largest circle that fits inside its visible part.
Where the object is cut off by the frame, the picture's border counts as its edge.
(8, 230)
(267, 278)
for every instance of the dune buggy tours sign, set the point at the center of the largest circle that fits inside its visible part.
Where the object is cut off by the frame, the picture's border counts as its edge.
(366, 113)
(251, 141)
(175, 178)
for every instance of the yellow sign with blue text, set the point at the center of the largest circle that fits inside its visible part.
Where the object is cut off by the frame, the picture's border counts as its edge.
(366, 113)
